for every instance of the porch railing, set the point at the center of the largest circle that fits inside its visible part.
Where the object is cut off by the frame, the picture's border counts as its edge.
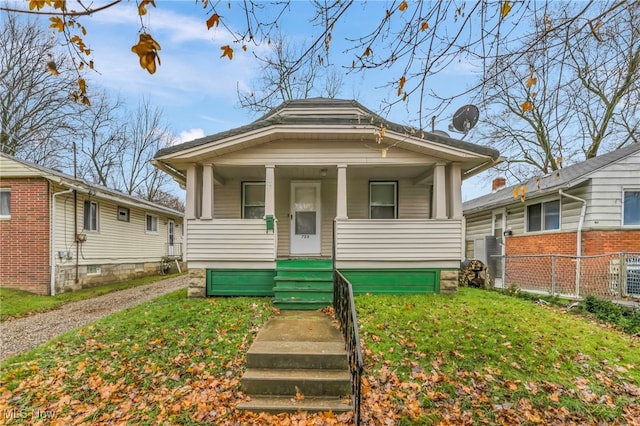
(173, 250)
(345, 310)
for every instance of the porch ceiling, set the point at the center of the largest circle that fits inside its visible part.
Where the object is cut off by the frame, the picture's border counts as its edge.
(329, 172)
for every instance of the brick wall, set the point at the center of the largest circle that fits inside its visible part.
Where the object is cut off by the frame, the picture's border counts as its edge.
(544, 243)
(604, 242)
(24, 239)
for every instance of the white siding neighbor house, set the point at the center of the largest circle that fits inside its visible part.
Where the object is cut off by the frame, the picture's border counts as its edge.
(324, 181)
(59, 233)
(589, 208)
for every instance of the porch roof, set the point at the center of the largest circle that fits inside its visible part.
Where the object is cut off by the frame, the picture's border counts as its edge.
(328, 112)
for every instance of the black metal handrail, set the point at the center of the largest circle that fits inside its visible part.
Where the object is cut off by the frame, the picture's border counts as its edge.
(345, 309)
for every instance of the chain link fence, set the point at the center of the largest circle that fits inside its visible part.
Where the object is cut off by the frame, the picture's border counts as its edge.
(608, 276)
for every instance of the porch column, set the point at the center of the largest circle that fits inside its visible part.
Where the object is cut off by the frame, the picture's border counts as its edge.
(439, 196)
(269, 191)
(190, 208)
(455, 191)
(207, 191)
(341, 202)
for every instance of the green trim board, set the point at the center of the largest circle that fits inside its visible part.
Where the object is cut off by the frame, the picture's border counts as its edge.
(240, 282)
(393, 281)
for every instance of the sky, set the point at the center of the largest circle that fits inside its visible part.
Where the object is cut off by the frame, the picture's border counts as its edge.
(197, 89)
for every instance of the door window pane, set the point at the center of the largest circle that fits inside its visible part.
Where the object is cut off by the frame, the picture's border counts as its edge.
(305, 223)
(305, 199)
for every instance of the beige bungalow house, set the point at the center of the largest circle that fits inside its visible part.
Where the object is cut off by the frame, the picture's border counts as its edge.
(274, 205)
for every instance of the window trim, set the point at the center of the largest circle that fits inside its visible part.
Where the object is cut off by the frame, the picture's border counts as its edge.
(242, 196)
(84, 215)
(395, 190)
(146, 223)
(5, 216)
(542, 216)
(624, 190)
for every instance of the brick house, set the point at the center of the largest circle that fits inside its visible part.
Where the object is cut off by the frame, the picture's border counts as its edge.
(586, 209)
(58, 233)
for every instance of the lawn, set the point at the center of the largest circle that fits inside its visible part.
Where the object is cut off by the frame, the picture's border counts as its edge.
(471, 358)
(17, 303)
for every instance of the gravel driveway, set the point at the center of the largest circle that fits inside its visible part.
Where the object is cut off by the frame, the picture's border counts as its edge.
(21, 334)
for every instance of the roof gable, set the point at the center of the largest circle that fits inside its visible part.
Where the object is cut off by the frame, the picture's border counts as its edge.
(566, 177)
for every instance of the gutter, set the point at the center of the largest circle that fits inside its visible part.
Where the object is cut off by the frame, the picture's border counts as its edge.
(583, 210)
(52, 283)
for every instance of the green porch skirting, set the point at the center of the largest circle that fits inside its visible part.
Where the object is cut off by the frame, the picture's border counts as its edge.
(240, 282)
(261, 282)
(393, 281)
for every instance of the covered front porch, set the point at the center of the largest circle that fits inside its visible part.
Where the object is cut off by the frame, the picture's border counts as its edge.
(394, 229)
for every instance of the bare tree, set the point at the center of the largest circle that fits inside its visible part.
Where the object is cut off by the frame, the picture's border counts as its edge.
(144, 135)
(102, 141)
(411, 41)
(566, 98)
(34, 104)
(277, 83)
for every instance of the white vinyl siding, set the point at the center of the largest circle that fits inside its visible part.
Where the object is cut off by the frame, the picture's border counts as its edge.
(5, 203)
(117, 241)
(230, 240)
(398, 240)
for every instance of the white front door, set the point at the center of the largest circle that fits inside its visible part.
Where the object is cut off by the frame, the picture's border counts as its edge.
(305, 218)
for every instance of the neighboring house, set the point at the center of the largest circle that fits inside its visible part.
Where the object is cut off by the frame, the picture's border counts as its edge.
(324, 180)
(58, 233)
(585, 209)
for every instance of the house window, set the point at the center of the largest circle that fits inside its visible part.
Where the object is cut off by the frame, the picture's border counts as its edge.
(90, 216)
(123, 214)
(152, 223)
(252, 200)
(383, 200)
(5, 204)
(631, 210)
(543, 216)
(94, 270)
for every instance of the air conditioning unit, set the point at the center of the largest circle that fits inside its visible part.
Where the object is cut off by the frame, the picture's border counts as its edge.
(632, 276)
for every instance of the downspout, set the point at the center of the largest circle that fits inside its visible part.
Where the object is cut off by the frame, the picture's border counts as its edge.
(583, 211)
(53, 240)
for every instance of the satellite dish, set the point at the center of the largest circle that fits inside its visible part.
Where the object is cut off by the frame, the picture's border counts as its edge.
(440, 133)
(465, 118)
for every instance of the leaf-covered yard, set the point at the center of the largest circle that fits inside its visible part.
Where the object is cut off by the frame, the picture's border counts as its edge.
(471, 358)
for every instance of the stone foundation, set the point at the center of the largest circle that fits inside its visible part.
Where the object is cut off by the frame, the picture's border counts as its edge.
(448, 281)
(197, 283)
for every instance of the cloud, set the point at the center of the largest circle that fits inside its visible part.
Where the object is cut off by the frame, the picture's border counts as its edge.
(189, 135)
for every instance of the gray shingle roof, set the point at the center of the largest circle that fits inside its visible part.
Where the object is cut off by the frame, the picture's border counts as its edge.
(78, 182)
(278, 116)
(566, 177)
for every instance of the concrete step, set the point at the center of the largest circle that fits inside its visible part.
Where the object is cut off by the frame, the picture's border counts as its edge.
(308, 382)
(297, 355)
(300, 304)
(287, 404)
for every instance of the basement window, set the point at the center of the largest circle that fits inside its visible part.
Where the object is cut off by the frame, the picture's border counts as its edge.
(94, 270)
